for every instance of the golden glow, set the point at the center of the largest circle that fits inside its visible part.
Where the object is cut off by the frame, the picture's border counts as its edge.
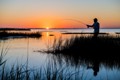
(40, 14)
(47, 28)
(47, 24)
(47, 34)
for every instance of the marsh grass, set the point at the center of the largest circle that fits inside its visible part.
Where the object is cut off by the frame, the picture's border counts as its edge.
(50, 72)
(102, 49)
(16, 72)
(23, 34)
(87, 45)
(23, 72)
(72, 50)
(3, 53)
(15, 29)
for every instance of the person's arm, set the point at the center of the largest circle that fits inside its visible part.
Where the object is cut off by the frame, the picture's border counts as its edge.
(89, 26)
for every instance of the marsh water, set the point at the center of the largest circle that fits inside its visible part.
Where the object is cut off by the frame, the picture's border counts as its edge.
(20, 49)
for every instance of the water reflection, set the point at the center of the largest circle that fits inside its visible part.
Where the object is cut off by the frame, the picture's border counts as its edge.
(81, 62)
(95, 66)
(87, 55)
(110, 62)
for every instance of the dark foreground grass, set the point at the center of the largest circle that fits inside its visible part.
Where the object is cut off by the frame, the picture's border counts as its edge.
(101, 49)
(18, 71)
(81, 33)
(88, 45)
(22, 34)
(15, 29)
(74, 50)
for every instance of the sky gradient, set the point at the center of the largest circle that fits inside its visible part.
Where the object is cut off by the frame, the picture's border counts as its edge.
(53, 13)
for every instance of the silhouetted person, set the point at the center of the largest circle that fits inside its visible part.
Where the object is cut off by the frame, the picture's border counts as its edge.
(95, 26)
(95, 67)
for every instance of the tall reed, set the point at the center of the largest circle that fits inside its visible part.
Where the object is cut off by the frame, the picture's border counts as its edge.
(23, 34)
(88, 49)
(87, 45)
(3, 52)
(23, 72)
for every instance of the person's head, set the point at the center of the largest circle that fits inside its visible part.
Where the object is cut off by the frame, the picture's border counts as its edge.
(95, 19)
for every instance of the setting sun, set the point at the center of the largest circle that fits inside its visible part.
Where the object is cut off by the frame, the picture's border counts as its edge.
(47, 28)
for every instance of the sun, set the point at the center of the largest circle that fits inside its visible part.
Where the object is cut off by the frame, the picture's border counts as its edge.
(47, 28)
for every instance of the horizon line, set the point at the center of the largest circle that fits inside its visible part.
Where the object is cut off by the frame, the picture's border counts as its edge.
(59, 28)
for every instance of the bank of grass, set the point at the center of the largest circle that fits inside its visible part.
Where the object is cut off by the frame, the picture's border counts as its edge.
(15, 29)
(103, 49)
(21, 34)
(75, 49)
(18, 71)
(3, 53)
(87, 45)
(50, 72)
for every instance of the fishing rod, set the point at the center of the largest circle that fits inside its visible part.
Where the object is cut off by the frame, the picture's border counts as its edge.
(76, 21)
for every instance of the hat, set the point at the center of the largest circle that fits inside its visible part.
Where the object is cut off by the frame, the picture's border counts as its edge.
(95, 19)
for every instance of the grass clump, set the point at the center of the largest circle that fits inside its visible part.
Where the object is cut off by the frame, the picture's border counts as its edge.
(22, 34)
(103, 49)
(87, 45)
(24, 72)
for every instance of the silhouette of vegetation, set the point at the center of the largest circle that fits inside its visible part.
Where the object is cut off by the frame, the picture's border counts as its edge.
(117, 32)
(23, 34)
(14, 29)
(61, 50)
(81, 33)
(87, 45)
(23, 72)
(88, 49)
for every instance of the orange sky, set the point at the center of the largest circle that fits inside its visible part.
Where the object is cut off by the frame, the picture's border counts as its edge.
(52, 13)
